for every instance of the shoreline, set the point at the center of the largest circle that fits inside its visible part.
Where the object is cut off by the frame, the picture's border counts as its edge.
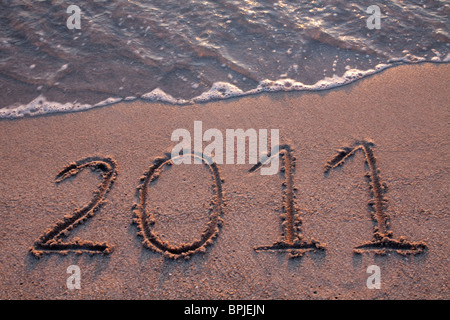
(218, 91)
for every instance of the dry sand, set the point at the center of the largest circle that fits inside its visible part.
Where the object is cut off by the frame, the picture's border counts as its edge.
(403, 110)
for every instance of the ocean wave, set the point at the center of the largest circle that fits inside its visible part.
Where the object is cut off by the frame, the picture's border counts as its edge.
(218, 91)
(199, 50)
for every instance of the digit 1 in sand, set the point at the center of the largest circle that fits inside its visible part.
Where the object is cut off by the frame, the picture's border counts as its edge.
(292, 239)
(383, 240)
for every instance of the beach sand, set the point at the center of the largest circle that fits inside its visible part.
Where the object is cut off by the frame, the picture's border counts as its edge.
(403, 111)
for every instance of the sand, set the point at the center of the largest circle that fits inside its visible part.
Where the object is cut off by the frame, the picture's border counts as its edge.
(226, 212)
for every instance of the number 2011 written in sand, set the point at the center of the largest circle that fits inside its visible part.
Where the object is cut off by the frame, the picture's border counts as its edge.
(292, 241)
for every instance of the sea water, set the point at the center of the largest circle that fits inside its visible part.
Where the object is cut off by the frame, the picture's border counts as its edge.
(193, 51)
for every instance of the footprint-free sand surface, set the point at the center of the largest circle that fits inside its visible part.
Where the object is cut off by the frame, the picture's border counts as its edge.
(315, 232)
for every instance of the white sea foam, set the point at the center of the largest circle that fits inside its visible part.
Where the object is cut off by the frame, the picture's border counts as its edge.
(324, 84)
(159, 95)
(218, 91)
(107, 102)
(41, 106)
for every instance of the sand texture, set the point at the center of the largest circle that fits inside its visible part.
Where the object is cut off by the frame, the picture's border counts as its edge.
(364, 181)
